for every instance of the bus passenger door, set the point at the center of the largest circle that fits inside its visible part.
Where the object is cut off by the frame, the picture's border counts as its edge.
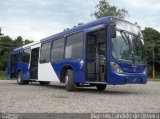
(34, 63)
(13, 59)
(96, 55)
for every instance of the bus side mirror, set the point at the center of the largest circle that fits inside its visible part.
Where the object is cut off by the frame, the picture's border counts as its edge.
(113, 31)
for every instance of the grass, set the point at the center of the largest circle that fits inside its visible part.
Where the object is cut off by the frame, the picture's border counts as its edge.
(3, 75)
(156, 79)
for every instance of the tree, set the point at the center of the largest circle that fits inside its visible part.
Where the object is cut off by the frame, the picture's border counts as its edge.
(27, 41)
(152, 40)
(0, 32)
(18, 41)
(6, 40)
(6, 45)
(151, 34)
(4, 51)
(105, 9)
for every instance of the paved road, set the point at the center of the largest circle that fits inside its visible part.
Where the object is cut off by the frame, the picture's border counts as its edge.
(54, 98)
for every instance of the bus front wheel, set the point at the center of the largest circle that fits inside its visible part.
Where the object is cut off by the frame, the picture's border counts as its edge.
(101, 87)
(69, 80)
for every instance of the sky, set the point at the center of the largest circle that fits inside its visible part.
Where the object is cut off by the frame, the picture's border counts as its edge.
(37, 19)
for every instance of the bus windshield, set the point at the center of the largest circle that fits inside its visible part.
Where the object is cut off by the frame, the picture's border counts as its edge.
(128, 48)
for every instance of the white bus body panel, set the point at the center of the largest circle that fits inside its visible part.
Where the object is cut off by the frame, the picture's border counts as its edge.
(47, 73)
(38, 45)
(45, 70)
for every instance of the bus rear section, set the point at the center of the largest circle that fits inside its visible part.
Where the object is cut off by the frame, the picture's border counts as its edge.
(23, 64)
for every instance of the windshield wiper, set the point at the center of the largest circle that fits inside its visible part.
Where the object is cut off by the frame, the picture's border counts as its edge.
(127, 40)
(122, 34)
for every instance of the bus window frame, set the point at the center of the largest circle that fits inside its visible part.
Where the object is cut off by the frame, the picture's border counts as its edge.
(28, 48)
(81, 31)
(41, 52)
(52, 41)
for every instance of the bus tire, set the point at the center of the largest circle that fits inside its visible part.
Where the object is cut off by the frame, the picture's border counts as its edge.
(26, 82)
(20, 80)
(44, 82)
(69, 80)
(101, 87)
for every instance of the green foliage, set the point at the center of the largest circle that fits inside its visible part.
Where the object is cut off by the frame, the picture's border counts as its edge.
(5, 40)
(151, 34)
(3, 75)
(18, 41)
(27, 41)
(105, 9)
(6, 45)
(152, 40)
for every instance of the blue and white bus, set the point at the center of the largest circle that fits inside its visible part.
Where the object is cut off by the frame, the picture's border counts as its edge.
(107, 51)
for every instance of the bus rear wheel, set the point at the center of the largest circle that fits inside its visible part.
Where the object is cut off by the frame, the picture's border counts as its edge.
(101, 87)
(69, 80)
(20, 80)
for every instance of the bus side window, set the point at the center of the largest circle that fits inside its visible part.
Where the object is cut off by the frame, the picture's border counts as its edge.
(20, 55)
(45, 52)
(74, 46)
(57, 51)
(26, 55)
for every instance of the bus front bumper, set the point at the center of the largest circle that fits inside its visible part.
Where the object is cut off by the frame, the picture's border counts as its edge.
(128, 78)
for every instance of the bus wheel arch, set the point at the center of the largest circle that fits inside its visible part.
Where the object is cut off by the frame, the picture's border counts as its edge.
(68, 79)
(63, 71)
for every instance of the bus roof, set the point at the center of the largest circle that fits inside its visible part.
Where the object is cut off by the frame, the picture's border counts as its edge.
(77, 28)
(14, 51)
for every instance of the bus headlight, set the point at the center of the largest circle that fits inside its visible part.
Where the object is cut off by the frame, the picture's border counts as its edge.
(145, 71)
(116, 68)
